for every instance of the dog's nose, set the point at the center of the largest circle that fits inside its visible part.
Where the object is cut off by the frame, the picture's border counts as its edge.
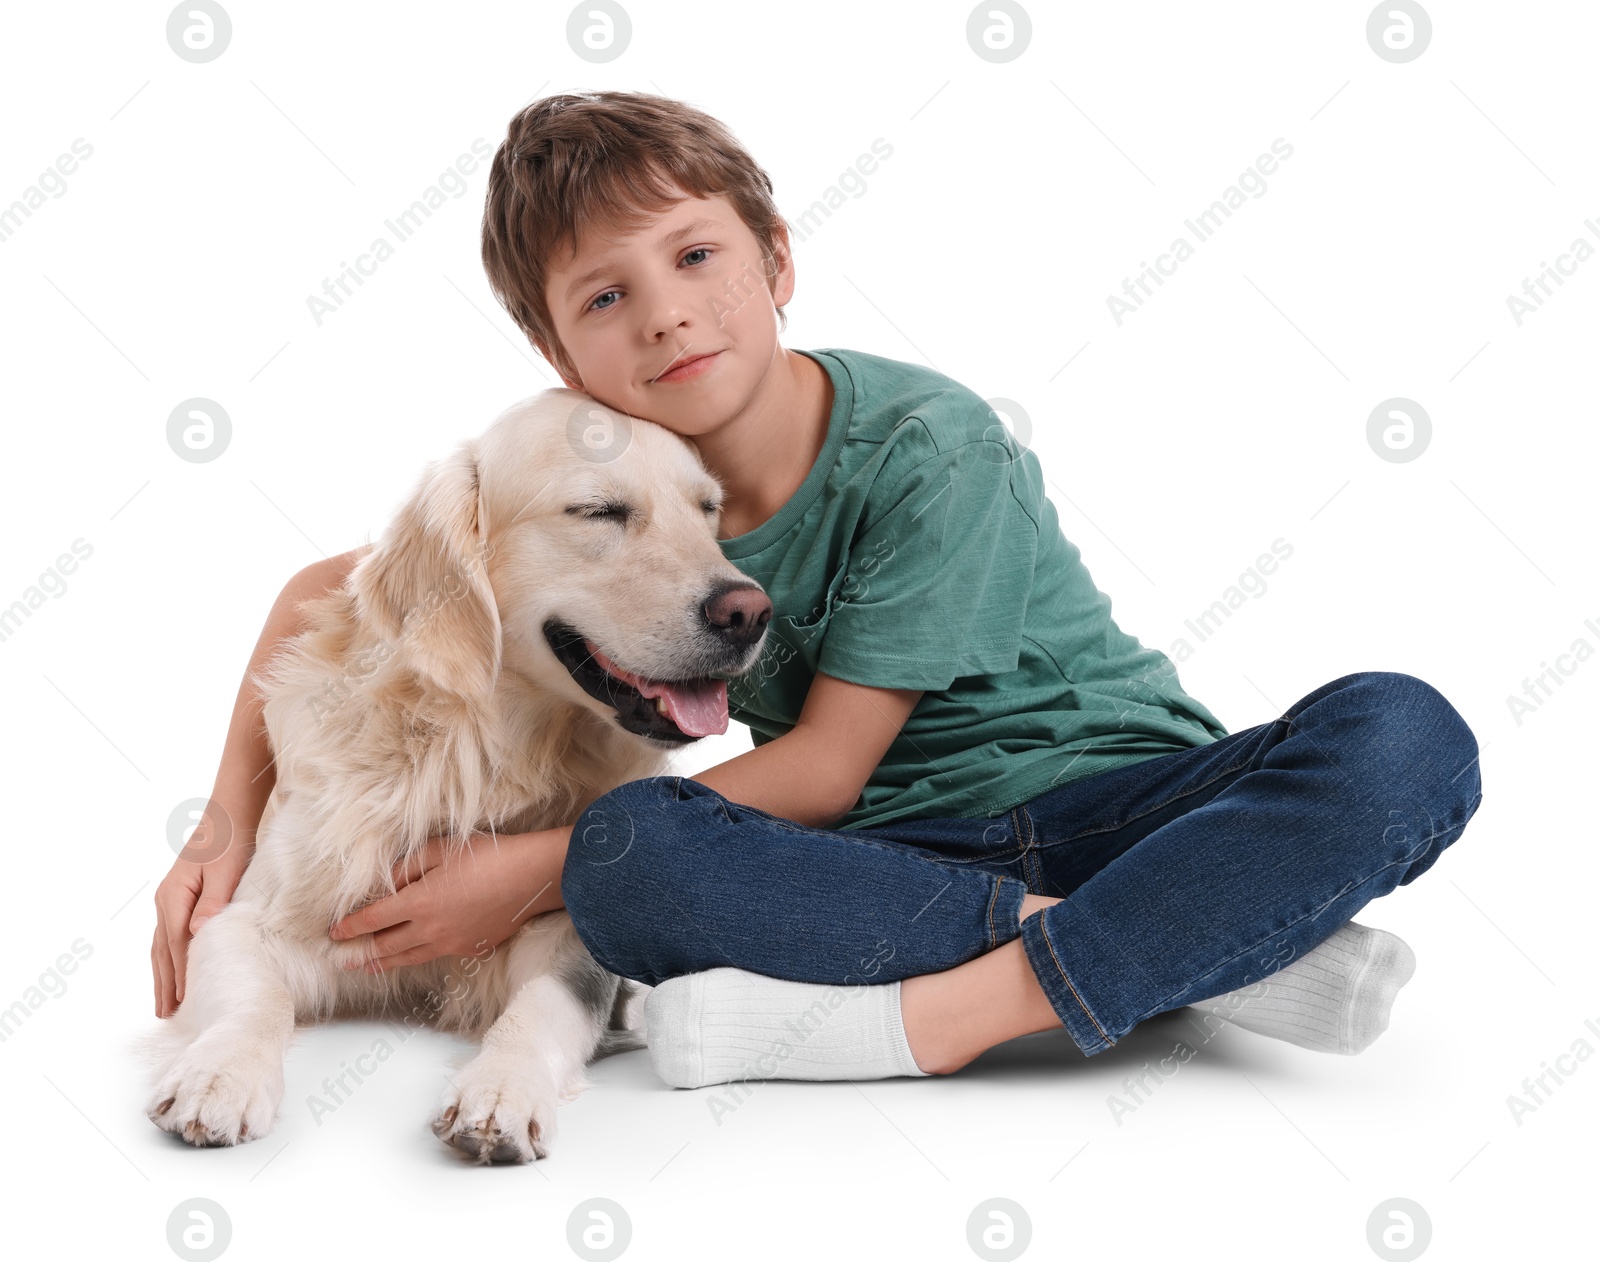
(738, 614)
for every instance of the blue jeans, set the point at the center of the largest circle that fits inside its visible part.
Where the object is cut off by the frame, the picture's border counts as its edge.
(1183, 877)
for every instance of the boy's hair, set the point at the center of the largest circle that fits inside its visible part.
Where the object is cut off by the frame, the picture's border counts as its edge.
(606, 159)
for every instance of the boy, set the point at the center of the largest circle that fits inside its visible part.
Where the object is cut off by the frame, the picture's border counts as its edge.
(973, 798)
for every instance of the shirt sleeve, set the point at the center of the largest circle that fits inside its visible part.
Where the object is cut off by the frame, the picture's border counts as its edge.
(937, 582)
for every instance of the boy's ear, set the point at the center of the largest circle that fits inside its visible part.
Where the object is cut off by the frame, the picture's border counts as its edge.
(781, 282)
(425, 586)
(782, 248)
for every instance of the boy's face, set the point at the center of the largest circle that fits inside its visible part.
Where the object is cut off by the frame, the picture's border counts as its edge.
(630, 307)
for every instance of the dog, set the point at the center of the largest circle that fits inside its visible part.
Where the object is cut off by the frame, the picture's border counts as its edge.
(547, 617)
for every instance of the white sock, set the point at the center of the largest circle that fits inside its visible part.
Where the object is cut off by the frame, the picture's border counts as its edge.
(1335, 998)
(727, 1025)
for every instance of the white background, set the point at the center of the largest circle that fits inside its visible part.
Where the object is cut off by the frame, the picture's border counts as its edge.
(1231, 410)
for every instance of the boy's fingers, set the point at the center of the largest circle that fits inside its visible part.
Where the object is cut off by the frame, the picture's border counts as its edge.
(383, 947)
(178, 940)
(158, 944)
(385, 913)
(413, 866)
(372, 918)
(204, 909)
(418, 954)
(161, 950)
(155, 972)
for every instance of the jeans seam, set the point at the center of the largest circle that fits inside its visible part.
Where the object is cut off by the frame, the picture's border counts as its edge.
(1044, 933)
(1159, 806)
(861, 837)
(1022, 829)
(1276, 932)
(994, 897)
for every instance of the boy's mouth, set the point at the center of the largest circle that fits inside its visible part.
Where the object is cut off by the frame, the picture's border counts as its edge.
(685, 367)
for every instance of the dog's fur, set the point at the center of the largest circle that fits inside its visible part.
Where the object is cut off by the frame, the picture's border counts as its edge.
(426, 699)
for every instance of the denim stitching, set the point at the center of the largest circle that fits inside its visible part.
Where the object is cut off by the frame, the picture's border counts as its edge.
(1045, 934)
(999, 856)
(1003, 858)
(1016, 826)
(1158, 1008)
(1162, 805)
(994, 896)
(862, 839)
(1029, 852)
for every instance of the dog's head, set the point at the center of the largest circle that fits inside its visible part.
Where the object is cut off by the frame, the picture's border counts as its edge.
(572, 549)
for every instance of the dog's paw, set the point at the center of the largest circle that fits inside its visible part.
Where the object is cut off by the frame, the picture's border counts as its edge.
(210, 1098)
(499, 1109)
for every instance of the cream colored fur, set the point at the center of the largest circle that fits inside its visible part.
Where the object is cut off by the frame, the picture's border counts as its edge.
(423, 700)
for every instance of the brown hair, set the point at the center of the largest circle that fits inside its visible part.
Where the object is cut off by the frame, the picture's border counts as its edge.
(608, 159)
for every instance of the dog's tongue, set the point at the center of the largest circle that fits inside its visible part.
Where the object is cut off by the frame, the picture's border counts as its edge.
(699, 707)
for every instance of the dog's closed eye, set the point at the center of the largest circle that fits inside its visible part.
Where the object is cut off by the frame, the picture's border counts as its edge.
(617, 511)
(604, 512)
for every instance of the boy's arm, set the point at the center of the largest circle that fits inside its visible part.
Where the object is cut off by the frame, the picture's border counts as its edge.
(814, 773)
(200, 885)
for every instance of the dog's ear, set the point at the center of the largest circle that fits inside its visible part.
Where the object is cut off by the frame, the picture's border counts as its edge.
(425, 587)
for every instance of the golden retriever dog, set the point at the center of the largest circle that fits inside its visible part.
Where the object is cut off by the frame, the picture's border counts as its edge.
(548, 616)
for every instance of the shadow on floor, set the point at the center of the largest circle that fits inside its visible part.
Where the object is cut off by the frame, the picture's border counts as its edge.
(1053, 1053)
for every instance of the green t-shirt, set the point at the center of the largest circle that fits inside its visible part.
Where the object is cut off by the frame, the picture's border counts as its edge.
(922, 552)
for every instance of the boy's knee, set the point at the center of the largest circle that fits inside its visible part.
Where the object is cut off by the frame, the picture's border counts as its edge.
(1421, 760)
(1409, 734)
(620, 878)
(610, 830)
(1431, 743)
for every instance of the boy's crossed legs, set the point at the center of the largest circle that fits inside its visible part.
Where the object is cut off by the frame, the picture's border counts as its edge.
(706, 1027)
(1153, 873)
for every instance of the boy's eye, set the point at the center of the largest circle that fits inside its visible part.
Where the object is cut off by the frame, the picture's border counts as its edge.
(699, 249)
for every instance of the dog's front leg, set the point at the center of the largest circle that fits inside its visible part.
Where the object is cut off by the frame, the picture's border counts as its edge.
(222, 1079)
(502, 1106)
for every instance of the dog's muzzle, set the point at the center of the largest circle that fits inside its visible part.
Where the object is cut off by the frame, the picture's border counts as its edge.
(672, 711)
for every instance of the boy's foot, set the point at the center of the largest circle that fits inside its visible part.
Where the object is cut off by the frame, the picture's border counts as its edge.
(1335, 998)
(726, 1025)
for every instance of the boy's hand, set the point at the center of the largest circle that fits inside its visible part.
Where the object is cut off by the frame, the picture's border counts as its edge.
(189, 895)
(200, 885)
(455, 906)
